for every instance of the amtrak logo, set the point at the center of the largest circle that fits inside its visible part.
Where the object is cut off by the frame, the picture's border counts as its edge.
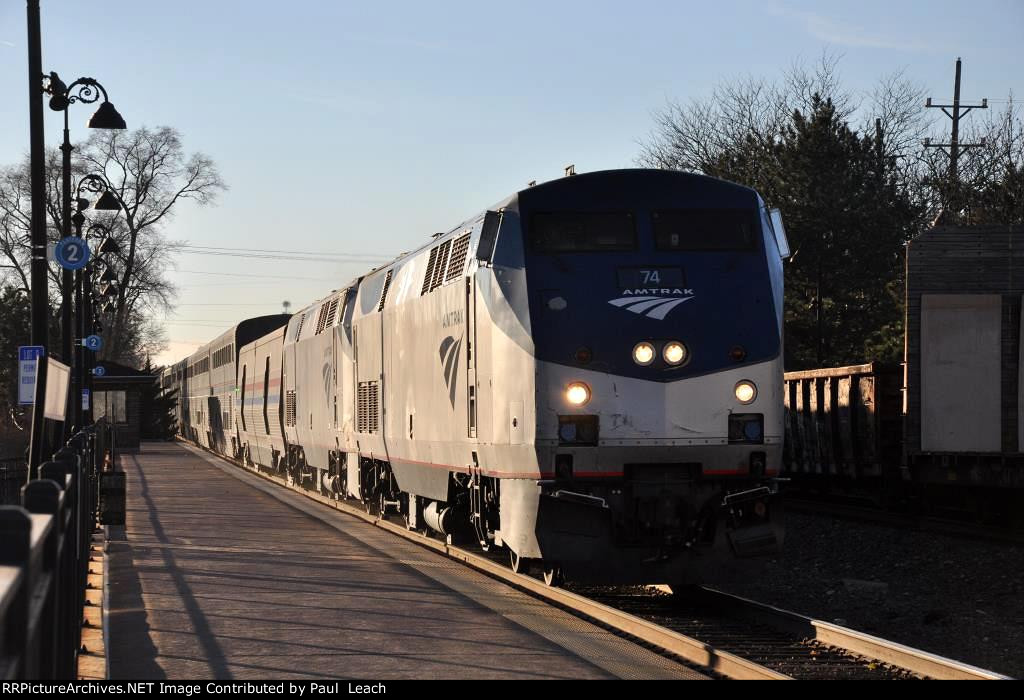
(449, 353)
(656, 307)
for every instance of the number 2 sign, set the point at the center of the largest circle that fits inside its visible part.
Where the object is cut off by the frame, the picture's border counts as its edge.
(71, 253)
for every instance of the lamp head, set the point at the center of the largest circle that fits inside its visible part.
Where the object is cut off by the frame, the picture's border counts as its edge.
(109, 245)
(106, 117)
(107, 202)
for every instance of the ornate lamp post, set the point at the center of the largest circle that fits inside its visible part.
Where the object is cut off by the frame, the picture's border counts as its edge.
(86, 90)
(84, 363)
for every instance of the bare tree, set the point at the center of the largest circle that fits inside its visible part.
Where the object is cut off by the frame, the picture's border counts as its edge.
(747, 113)
(150, 174)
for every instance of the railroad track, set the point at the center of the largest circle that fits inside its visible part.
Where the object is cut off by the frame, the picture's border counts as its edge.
(730, 636)
(903, 521)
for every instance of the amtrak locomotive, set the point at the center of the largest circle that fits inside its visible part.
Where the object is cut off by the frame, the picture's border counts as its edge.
(589, 374)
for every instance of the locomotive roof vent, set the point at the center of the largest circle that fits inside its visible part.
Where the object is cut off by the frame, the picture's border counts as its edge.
(570, 170)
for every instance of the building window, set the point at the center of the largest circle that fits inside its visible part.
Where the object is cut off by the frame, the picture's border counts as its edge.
(110, 404)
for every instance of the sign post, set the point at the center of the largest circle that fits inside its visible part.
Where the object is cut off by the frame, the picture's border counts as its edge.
(28, 361)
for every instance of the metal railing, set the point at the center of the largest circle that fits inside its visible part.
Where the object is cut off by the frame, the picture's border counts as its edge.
(13, 475)
(44, 556)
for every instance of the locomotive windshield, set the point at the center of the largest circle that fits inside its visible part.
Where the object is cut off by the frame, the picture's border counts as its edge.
(705, 229)
(682, 230)
(582, 232)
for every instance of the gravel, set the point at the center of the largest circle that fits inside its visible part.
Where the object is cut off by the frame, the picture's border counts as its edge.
(952, 596)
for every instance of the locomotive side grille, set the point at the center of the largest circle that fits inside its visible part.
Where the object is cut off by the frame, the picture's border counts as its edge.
(367, 407)
(430, 271)
(321, 319)
(458, 258)
(332, 311)
(289, 408)
(440, 265)
(384, 292)
(298, 327)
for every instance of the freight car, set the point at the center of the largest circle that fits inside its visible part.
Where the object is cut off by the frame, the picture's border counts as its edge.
(952, 438)
(587, 374)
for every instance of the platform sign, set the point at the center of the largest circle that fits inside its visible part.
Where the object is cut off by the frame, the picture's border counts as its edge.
(58, 378)
(28, 357)
(93, 342)
(71, 253)
(98, 371)
(85, 399)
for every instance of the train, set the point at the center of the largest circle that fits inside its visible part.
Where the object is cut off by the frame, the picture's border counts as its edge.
(587, 374)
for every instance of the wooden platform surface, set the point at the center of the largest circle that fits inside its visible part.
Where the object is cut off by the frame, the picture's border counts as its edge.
(221, 575)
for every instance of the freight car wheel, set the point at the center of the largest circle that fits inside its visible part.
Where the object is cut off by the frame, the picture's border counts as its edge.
(553, 575)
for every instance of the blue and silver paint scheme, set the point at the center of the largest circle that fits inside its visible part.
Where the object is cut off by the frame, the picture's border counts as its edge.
(438, 381)
(661, 431)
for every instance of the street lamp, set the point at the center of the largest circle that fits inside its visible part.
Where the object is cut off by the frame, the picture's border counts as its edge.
(88, 91)
(107, 201)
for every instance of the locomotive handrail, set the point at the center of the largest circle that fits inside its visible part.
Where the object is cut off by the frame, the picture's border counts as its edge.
(44, 554)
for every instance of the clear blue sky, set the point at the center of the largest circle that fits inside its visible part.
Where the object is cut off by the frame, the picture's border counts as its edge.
(363, 128)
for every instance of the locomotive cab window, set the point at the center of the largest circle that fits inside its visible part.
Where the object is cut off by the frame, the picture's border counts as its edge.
(582, 232)
(695, 230)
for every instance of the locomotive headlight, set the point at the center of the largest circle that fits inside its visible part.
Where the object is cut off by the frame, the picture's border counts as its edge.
(643, 354)
(577, 393)
(746, 391)
(674, 353)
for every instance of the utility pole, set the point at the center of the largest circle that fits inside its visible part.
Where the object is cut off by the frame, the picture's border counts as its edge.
(40, 297)
(954, 145)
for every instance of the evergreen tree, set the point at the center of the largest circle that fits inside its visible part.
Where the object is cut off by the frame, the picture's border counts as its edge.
(157, 408)
(847, 219)
(14, 331)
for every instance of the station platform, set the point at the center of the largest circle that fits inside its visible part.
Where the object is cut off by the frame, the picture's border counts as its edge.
(220, 574)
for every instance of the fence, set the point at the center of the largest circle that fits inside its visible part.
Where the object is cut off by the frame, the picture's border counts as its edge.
(44, 554)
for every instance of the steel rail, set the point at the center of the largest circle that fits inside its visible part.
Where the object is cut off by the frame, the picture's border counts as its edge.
(691, 650)
(900, 655)
(669, 641)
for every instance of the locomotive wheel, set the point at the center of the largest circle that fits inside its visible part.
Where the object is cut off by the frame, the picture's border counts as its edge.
(553, 575)
(520, 565)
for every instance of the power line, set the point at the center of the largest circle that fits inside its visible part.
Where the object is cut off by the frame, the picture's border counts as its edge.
(371, 256)
(283, 257)
(260, 275)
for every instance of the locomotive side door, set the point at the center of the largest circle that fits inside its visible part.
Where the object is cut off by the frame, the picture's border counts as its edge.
(471, 353)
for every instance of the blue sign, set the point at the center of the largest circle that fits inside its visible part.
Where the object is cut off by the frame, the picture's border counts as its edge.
(29, 352)
(71, 253)
(85, 399)
(28, 356)
(99, 370)
(93, 342)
